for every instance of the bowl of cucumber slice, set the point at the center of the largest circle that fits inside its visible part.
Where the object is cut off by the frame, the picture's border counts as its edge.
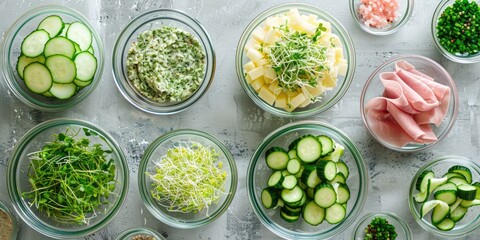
(53, 58)
(445, 196)
(307, 180)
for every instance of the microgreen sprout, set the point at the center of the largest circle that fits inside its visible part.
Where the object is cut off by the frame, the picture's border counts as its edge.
(189, 178)
(70, 177)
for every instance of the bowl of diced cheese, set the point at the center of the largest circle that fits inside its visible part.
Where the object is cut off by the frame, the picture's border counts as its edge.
(295, 60)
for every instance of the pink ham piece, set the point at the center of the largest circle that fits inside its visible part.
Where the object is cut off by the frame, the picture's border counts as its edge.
(411, 102)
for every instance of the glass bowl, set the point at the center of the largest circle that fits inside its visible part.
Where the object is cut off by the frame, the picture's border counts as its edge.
(158, 149)
(330, 97)
(401, 228)
(130, 234)
(10, 51)
(12, 220)
(456, 57)
(152, 20)
(374, 88)
(404, 11)
(258, 173)
(18, 180)
(470, 222)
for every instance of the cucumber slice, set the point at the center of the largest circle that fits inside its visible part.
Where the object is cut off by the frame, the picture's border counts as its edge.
(82, 83)
(440, 212)
(63, 90)
(299, 174)
(297, 211)
(466, 192)
(59, 45)
(436, 182)
(336, 154)
(326, 170)
(80, 34)
(465, 171)
(309, 176)
(335, 214)
(289, 182)
(343, 193)
(292, 153)
(23, 61)
(37, 77)
(287, 217)
(293, 166)
(34, 43)
(477, 186)
(269, 197)
(448, 196)
(309, 149)
(90, 50)
(62, 68)
(277, 158)
(275, 180)
(292, 196)
(339, 178)
(428, 206)
(327, 145)
(313, 214)
(458, 180)
(325, 195)
(86, 65)
(65, 29)
(457, 214)
(453, 174)
(343, 168)
(446, 225)
(422, 180)
(469, 203)
(52, 24)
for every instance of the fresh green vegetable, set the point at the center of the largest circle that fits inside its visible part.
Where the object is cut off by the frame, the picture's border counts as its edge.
(380, 229)
(71, 178)
(458, 27)
(189, 178)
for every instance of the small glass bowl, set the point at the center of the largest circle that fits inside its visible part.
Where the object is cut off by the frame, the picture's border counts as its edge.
(401, 228)
(470, 222)
(329, 98)
(15, 227)
(159, 148)
(405, 10)
(459, 58)
(152, 20)
(10, 51)
(258, 173)
(131, 233)
(18, 182)
(374, 88)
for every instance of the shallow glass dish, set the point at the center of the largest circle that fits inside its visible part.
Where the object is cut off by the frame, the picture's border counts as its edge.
(459, 58)
(470, 222)
(401, 228)
(330, 97)
(147, 233)
(152, 20)
(10, 51)
(404, 11)
(15, 226)
(18, 182)
(159, 148)
(374, 88)
(258, 173)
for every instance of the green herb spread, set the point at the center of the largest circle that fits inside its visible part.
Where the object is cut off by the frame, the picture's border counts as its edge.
(166, 64)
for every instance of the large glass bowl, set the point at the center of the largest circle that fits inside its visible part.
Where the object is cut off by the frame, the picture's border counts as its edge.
(152, 20)
(18, 181)
(404, 11)
(258, 174)
(456, 57)
(10, 51)
(374, 88)
(159, 148)
(470, 222)
(401, 228)
(329, 98)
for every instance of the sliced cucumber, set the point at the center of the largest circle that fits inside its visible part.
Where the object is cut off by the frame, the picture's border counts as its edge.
(448, 196)
(428, 206)
(269, 197)
(53, 24)
(343, 193)
(287, 217)
(299, 174)
(37, 77)
(440, 212)
(90, 50)
(65, 29)
(457, 214)
(292, 153)
(82, 83)
(469, 203)
(289, 182)
(327, 145)
(446, 225)
(34, 43)
(309, 149)
(313, 214)
(453, 174)
(80, 34)
(291, 211)
(293, 166)
(63, 90)
(325, 195)
(343, 168)
(336, 154)
(477, 186)
(422, 180)
(309, 176)
(436, 182)
(458, 180)
(291, 196)
(275, 180)
(59, 46)
(62, 68)
(466, 192)
(465, 171)
(277, 158)
(326, 170)
(23, 61)
(335, 213)
(339, 178)
(86, 65)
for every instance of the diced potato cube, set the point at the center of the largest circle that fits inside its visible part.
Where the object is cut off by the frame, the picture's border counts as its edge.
(295, 18)
(342, 67)
(270, 36)
(272, 22)
(258, 34)
(315, 91)
(248, 79)
(268, 80)
(335, 40)
(275, 88)
(329, 81)
(261, 62)
(255, 73)
(338, 54)
(254, 55)
(251, 44)
(265, 94)
(269, 72)
(305, 103)
(308, 27)
(313, 19)
(249, 66)
(327, 25)
(330, 55)
(297, 100)
(281, 101)
(257, 83)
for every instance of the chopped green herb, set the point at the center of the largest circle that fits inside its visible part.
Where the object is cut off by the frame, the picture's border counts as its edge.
(71, 178)
(380, 229)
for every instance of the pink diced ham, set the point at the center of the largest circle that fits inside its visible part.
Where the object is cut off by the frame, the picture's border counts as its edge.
(378, 13)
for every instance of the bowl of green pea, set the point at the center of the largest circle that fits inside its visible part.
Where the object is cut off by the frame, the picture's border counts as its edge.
(456, 30)
(67, 178)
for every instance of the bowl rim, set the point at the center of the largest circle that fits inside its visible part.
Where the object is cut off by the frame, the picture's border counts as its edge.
(362, 173)
(413, 209)
(342, 33)
(148, 201)
(467, 59)
(454, 100)
(381, 213)
(382, 31)
(122, 82)
(31, 219)
(9, 73)
(139, 230)
(15, 225)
